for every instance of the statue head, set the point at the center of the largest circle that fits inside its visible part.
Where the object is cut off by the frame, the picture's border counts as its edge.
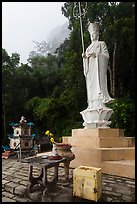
(93, 27)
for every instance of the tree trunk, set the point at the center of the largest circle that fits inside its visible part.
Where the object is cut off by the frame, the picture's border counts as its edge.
(110, 72)
(4, 120)
(113, 69)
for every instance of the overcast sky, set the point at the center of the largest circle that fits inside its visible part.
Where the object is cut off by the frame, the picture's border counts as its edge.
(25, 22)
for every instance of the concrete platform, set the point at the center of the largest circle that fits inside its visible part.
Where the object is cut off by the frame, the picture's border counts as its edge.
(124, 168)
(103, 147)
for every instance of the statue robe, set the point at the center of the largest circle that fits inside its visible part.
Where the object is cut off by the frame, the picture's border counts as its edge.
(95, 71)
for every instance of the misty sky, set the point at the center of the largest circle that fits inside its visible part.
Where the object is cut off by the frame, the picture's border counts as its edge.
(25, 22)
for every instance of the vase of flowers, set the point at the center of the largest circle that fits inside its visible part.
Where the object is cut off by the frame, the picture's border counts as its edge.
(54, 153)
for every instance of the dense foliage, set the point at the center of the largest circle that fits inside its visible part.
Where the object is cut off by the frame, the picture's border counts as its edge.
(50, 90)
(123, 115)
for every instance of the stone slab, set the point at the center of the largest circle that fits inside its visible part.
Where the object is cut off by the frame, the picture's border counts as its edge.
(98, 132)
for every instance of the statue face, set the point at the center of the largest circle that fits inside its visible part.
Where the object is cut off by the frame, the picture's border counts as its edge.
(94, 35)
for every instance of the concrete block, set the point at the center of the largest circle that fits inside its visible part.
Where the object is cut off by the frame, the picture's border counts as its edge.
(98, 132)
(87, 182)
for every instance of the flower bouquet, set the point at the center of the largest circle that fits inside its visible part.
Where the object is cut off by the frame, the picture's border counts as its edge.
(54, 154)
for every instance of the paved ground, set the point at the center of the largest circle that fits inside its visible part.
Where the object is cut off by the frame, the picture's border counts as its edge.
(15, 182)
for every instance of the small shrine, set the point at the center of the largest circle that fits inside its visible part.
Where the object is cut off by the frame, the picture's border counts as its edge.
(22, 139)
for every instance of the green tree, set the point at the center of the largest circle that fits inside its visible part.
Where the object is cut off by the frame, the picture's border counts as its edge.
(9, 64)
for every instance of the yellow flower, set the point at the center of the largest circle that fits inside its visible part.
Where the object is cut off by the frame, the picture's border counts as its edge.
(50, 134)
(47, 132)
(52, 140)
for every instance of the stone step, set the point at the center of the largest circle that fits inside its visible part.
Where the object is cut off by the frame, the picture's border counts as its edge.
(124, 168)
(98, 132)
(93, 157)
(117, 142)
(115, 154)
(96, 142)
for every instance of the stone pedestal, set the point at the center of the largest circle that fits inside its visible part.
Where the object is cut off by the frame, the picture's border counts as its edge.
(96, 115)
(98, 146)
(95, 118)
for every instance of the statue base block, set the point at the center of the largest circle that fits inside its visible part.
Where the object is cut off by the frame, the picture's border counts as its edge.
(104, 148)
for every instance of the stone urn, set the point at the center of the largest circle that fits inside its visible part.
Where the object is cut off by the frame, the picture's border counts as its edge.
(64, 150)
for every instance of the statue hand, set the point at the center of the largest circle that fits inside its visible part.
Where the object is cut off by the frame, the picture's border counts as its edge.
(93, 55)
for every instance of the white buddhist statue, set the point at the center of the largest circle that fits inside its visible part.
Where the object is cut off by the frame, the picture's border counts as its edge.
(95, 64)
